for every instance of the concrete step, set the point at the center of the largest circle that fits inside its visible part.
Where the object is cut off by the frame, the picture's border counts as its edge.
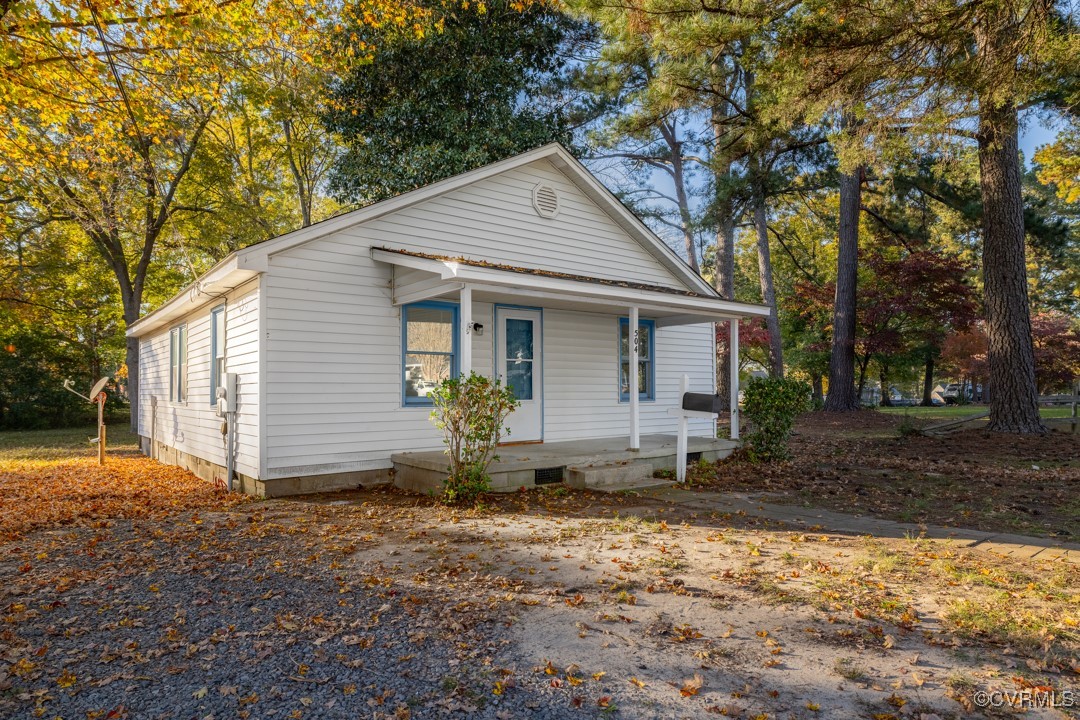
(613, 477)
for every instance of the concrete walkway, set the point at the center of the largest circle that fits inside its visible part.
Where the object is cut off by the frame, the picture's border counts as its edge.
(1007, 544)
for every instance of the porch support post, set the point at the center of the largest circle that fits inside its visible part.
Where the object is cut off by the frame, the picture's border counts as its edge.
(733, 368)
(635, 419)
(465, 331)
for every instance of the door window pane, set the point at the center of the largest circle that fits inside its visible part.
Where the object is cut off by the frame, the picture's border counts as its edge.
(519, 378)
(519, 339)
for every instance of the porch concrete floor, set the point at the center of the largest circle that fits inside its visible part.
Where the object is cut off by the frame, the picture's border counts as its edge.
(516, 466)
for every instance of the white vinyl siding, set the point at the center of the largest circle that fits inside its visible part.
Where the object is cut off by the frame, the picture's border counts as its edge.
(581, 389)
(194, 427)
(494, 220)
(334, 381)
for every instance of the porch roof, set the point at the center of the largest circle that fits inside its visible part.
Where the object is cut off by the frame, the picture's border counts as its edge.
(442, 275)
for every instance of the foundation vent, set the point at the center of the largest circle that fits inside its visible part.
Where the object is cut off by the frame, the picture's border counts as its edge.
(547, 476)
(546, 201)
(692, 457)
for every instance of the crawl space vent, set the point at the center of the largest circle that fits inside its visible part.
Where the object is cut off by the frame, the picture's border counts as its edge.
(692, 457)
(546, 201)
(547, 476)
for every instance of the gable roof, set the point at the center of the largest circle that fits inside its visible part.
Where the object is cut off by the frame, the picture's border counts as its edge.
(554, 153)
(248, 262)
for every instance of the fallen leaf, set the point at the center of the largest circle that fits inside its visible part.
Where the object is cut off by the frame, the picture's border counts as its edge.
(692, 686)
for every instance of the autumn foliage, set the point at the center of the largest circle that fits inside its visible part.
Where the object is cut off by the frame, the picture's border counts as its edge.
(49, 494)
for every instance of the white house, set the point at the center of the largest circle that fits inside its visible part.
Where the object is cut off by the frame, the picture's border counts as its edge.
(527, 268)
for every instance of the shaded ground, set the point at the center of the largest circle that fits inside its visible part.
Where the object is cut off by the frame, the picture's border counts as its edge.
(860, 462)
(550, 604)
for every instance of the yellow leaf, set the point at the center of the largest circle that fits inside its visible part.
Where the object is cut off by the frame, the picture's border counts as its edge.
(692, 686)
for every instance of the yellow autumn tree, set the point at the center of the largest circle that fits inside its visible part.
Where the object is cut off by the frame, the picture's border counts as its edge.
(104, 105)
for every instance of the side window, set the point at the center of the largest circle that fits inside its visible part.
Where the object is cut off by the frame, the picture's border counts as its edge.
(178, 364)
(646, 350)
(429, 332)
(217, 351)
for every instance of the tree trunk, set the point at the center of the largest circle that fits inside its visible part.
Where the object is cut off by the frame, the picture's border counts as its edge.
(303, 192)
(1014, 404)
(842, 396)
(883, 382)
(725, 285)
(758, 176)
(765, 278)
(928, 382)
(678, 176)
(131, 355)
(724, 280)
(863, 365)
(818, 395)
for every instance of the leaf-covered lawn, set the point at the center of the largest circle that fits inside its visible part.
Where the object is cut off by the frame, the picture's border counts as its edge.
(51, 479)
(860, 463)
(138, 591)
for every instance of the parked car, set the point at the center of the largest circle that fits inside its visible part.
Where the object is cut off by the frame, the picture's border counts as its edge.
(960, 393)
(951, 394)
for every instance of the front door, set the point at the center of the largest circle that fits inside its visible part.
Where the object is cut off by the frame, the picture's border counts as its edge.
(518, 353)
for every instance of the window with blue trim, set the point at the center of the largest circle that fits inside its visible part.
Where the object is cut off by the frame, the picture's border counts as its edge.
(429, 335)
(217, 350)
(646, 366)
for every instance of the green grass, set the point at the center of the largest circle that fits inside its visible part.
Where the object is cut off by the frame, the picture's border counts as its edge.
(947, 412)
(64, 443)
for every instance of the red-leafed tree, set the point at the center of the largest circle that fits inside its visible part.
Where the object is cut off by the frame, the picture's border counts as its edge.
(753, 344)
(965, 354)
(1057, 352)
(909, 304)
(916, 301)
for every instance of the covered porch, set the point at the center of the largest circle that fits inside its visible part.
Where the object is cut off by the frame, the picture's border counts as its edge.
(530, 465)
(581, 388)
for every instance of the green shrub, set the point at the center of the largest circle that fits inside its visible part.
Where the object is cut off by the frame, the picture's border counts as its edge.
(471, 412)
(771, 405)
(908, 427)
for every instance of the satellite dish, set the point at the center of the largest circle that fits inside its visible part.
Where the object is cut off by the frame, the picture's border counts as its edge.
(94, 392)
(98, 387)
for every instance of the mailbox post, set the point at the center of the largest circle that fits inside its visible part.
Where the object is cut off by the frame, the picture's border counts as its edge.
(691, 405)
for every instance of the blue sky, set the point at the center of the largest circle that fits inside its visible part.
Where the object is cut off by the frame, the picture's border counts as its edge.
(1035, 132)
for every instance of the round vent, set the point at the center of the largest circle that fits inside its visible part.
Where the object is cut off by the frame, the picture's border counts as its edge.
(546, 201)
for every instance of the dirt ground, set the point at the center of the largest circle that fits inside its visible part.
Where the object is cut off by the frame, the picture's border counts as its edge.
(860, 462)
(548, 604)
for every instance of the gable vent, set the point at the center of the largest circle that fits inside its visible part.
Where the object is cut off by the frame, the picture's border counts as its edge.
(546, 201)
